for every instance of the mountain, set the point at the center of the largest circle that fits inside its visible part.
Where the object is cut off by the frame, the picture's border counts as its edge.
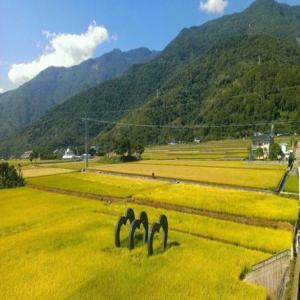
(52, 86)
(242, 80)
(137, 87)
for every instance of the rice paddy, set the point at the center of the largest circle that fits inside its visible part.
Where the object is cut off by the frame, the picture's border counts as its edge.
(42, 171)
(56, 235)
(254, 178)
(54, 246)
(244, 203)
(214, 150)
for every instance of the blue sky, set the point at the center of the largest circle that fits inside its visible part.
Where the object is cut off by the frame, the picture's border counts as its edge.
(129, 24)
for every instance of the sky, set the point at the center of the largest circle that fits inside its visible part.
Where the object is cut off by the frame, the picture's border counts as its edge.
(36, 34)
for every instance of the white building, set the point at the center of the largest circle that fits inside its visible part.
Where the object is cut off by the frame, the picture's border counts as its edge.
(263, 141)
(285, 150)
(26, 154)
(70, 155)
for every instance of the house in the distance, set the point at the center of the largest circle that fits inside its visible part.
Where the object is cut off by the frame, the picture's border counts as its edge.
(26, 155)
(263, 141)
(70, 155)
(285, 150)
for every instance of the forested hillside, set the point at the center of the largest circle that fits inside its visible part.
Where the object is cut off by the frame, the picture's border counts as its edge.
(202, 77)
(51, 87)
(247, 80)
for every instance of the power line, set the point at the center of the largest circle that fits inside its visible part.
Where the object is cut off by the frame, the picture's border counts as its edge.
(190, 126)
(195, 103)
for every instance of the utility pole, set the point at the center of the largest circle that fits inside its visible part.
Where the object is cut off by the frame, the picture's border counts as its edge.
(259, 60)
(86, 142)
(272, 129)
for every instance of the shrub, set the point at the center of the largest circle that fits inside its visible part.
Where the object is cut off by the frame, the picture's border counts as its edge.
(10, 177)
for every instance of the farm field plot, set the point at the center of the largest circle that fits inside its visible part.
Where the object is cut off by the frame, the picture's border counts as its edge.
(292, 184)
(42, 171)
(240, 203)
(263, 179)
(72, 238)
(26, 162)
(214, 163)
(226, 149)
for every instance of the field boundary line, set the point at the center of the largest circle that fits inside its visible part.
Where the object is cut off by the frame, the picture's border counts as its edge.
(254, 221)
(178, 180)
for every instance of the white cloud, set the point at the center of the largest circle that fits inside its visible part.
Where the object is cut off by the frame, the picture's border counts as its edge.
(213, 6)
(63, 50)
(1, 90)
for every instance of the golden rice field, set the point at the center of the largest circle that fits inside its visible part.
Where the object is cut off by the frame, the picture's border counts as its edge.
(54, 246)
(215, 164)
(255, 178)
(214, 150)
(34, 171)
(26, 162)
(229, 201)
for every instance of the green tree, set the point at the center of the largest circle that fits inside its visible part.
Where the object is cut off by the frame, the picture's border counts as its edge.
(33, 155)
(259, 152)
(123, 147)
(10, 177)
(139, 149)
(275, 152)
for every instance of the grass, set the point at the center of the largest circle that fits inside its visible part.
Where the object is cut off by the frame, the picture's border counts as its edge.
(241, 203)
(55, 247)
(263, 179)
(292, 184)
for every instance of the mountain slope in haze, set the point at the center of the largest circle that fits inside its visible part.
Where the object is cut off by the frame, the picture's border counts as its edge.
(227, 86)
(63, 126)
(52, 86)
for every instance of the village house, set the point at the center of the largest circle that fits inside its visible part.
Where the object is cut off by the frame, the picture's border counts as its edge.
(70, 155)
(263, 141)
(26, 155)
(285, 150)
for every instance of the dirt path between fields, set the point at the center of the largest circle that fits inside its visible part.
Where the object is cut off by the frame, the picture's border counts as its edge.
(172, 207)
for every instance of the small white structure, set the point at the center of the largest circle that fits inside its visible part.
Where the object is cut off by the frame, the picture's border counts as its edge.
(285, 150)
(26, 155)
(69, 155)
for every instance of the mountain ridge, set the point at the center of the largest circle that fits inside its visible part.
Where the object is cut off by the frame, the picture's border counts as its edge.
(62, 126)
(52, 86)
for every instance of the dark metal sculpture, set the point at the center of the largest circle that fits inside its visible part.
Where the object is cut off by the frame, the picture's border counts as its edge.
(162, 223)
(129, 215)
(137, 224)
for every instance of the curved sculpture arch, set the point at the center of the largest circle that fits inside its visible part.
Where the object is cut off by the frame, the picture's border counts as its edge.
(162, 223)
(129, 216)
(143, 220)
